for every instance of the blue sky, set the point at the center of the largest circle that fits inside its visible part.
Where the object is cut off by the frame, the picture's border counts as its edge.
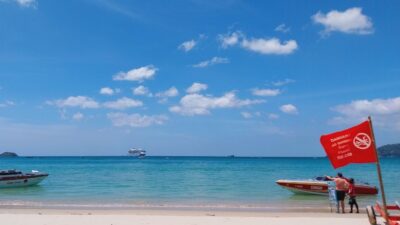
(96, 77)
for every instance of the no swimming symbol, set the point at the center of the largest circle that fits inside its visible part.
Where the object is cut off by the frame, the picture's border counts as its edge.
(362, 141)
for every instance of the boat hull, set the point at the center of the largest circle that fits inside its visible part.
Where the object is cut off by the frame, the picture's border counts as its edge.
(321, 187)
(21, 181)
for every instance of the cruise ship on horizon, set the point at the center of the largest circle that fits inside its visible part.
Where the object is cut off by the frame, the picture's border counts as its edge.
(137, 152)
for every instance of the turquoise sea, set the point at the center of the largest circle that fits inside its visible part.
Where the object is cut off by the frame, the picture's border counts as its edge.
(181, 181)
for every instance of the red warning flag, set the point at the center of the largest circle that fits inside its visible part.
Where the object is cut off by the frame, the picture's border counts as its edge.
(353, 145)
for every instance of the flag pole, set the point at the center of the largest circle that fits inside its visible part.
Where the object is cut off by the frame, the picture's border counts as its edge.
(378, 167)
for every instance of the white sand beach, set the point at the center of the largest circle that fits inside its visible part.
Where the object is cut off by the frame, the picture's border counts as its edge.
(110, 217)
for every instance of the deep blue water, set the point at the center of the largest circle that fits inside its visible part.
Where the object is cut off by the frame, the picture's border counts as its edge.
(181, 180)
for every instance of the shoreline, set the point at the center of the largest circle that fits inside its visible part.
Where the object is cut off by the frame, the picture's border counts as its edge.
(173, 209)
(174, 217)
(176, 212)
(222, 207)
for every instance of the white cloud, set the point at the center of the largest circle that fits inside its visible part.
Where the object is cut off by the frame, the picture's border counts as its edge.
(24, 3)
(210, 62)
(230, 39)
(197, 104)
(246, 115)
(106, 91)
(283, 82)
(187, 45)
(273, 116)
(123, 103)
(270, 46)
(289, 109)
(139, 74)
(249, 115)
(27, 3)
(7, 104)
(366, 107)
(77, 116)
(196, 87)
(135, 120)
(351, 21)
(141, 90)
(260, 45)
(75, 101)
(385, 112)
(265, 92)
(282, 28)
(171, 92)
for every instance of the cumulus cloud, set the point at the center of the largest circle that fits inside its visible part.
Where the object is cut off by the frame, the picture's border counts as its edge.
(139, 74)
(212, 61)
(249, 115)
(108, 91)
(170, 92)
(270, 46)
(135, 120)
(246, 115)
(197, 104)
(77, 116)
(196, 87)
(385, 112)
(141, 90)
(282, 28)
(351, 21)
(230, 39)
(123, 103)
(27, 3)
(273, 116)
(266, 92)
(24, 3)
(83, 102)
(266, 46)
(289, 109)
(88, 103)
(283, 82)
(187, 45)
(7, 103)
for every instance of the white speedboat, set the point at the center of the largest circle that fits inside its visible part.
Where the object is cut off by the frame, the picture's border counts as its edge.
(14, 178)
(319, 186)
(137, 152)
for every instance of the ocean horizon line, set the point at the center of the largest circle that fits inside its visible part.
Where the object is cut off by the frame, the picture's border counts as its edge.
(166, 156)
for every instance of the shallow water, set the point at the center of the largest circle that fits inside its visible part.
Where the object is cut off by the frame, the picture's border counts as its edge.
(182, 181)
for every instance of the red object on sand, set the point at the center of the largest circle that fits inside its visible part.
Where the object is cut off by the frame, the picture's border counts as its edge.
(353, 145)
(390, 219)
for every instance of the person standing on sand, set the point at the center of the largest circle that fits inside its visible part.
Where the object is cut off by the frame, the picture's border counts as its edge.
(352, 196)
(341, 189)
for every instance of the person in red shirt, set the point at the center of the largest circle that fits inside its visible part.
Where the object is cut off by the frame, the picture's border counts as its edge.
(352, 196)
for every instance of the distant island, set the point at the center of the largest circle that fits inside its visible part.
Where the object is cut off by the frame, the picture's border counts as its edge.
(8, 154)
(391, 150)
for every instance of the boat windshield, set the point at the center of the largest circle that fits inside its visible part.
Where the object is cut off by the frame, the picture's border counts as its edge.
(321, 178)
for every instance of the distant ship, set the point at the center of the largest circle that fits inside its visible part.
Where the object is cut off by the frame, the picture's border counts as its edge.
(137, 152)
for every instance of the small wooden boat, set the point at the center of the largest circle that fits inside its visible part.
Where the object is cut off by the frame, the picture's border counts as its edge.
(319, 186)
(14, 178)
